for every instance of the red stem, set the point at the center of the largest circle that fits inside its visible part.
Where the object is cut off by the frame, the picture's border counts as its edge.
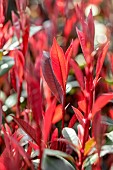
(89, 103)
(63, 112)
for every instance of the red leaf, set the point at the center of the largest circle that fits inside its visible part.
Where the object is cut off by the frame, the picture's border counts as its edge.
(16, 24)
(82, 105)
(25, 39)
(33, 133)
(58, 63)
(72, 121)
(98, 130)
(58, 114)
(50, 77)
(20, 150)
(48, 120)
(101, 102)
(34, 97)
(79, 116)
(91, 29)
(8, 161)
(54, 142)
(68, 55)
(0, 113)
(19, 64)
(82, 40)
(100, 60)
(78, 73)
(75, 46)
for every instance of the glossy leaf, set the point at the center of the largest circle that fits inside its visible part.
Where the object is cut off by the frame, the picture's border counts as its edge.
(101, 59)
(58, 63)
(101, 101)
(82, 105)
(34, 30)
(89, 145)
(107, 121)
(72, 121)
(70, 135)
(48, 120)
(79, 116)
(68, 55)
(50, 77)
(91, 29)
(33, 133)
(58, 114)
(55, 160)
(110, 135)
(19, 64)
(16, 25)
(54, 142)
(11, 100)
(78, 73)
(98, 130)
(81, 37)
(6, 64)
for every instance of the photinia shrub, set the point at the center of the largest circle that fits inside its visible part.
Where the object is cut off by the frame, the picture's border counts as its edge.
(56, 84)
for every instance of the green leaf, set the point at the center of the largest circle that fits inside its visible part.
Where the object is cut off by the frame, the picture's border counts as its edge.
(106, 120)
(57, 153)
(80, 60)
(70, 135)
(106, 149)
(54, 160)
(11, 100)
(90, 160)
(6, 64)
(34, 30)
(110, 135)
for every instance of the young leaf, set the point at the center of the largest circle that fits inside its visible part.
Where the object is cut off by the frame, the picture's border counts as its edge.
(101, 102)
(91, 29)
(48, 120)
(19, 64)
(98, 130)
(54, 142)
(82, 105)
(78, 73)
(58, 114)
(50, 77)
(33, 133)
(58, 63)
(0, 113)
(16, 24)
(79, 115)
(68, 55)
(100, 60)
(81, 37)
(72, 121)
(34, 97)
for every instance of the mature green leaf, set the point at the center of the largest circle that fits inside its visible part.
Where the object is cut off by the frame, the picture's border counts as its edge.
(6, 64)
(106, 120)
(90, 160)
(70, 135)
(34, 30)
(11, 100)
(110, 135)
(56, 160)
(106, 149)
